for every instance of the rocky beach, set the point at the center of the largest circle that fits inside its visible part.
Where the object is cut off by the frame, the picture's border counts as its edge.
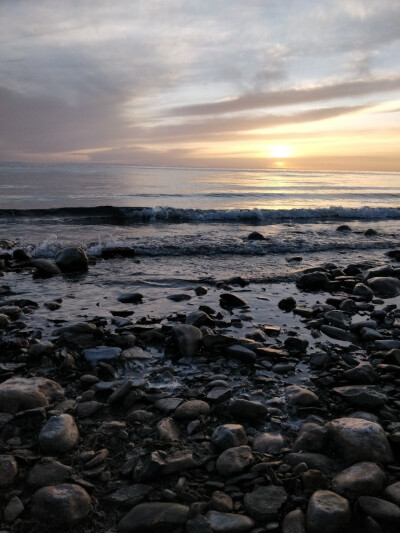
(227, 407)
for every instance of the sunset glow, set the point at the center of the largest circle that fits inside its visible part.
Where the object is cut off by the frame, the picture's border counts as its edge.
(170, 83)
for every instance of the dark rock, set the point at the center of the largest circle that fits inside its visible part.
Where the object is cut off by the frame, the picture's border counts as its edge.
(234, 460)
(129, 495)
(363, 373)
(201, 290)
(363, 396)
(339, 334)
(229, 522)
(117, 251)
(191, 410)
(370, 232)
(59, 435)
(264, 503)
(62, 505)
(8, 470)
(179, 297)
(21, 394)
(294, 522)
(299, 396)
(45, 268)
(248, 410)
(360, 479)
(230, 301)
(241, 352)
(358, 440)
(380, 510)
(343, 227)
(311, 438)
(21, 255)
(312, 281)
(392, 493)
(48, 472)
(270, 443)
(287, 304)
(255, 236)
(130, 298)
(188, 339)
(154, 517)
(229, 436)
(327, 512)
(385, 287)
(72, 260)
(101, 353)
(296, 344)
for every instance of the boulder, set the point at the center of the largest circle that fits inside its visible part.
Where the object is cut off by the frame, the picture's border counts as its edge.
(72, 260)
(327, 512)
(61, 505)
(21, 394)
(359, 440)
(360, 479)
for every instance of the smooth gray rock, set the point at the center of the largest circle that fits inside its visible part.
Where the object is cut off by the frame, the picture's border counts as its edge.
(130, 298)
(339, 334)
(191, 410)
(101, 353)
(241, 352)
(48, 472)
(72, 260)
(327, 512)
(362, 396)
(229, 436)
(360, 479)
(364, 373)
(188, 339)
(229, 523)
(392, 493)
(13, 509)
(59, 435)
(294, 522)
(300, 396)
(154, 517)
(271, 443)
(359, 440)
(385, 287)
(363, 291)
(263, 503)
(380, 510)
(22, 394)
(61, 506)
(234, 460)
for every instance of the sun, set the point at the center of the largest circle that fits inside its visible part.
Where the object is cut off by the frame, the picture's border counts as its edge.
(279, 151)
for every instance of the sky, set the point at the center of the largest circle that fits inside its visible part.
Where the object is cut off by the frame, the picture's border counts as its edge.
(303, 84)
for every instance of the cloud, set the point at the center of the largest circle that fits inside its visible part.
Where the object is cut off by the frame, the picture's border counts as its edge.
(291, 97)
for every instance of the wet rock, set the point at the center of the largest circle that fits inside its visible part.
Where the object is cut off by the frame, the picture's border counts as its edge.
(314, 461)
(62, 505)
(327, 512)
(248, 410)
(4, 321)
(86, 409)
(312, 281)
(339, 334)
(221, 502)
(117, 251)
(255, 236)
(72, 260)
(234, 460)
(370, 231)
(392, 493)
(188, 338)
(8, 470)
(191, 410)
(271, 443)
(364, 373)
(359, 440)
(45, 268)
(135, 352)
(337, 319)
(380, 510)
(59, 435)
(385, 287)
(229, 436)
(294, 522)
(179, 297)
(360, 479)
(130, 298)
(287, 304)
(129, 495)
(198, 319)
(201, 290)
(48, 472)
(300, 396)
(154, 517)
(296, 344)
(6, 244)
(343, 228)
(21, 394)
(264, 503)
(362, 396)
(363, 291)
(228, 522)
(101, 353)
(241, 352)
(198, 524)
(230, 301)
(311, 438)
(12, 510)
(41, 349)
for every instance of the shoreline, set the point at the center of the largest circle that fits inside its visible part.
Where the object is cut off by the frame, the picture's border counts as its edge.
(145, 420)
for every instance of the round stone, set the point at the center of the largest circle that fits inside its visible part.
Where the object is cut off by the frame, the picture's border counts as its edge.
(264, 503)
(234, 460)
(192, 409)
(59, 435)
(63, 505)
(229, 436)
(359, 479)
(327, 512)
